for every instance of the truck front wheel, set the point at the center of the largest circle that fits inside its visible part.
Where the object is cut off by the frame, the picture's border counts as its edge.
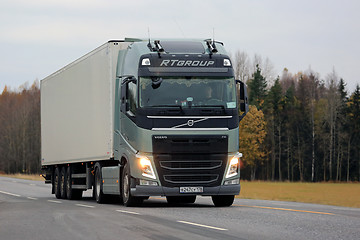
(223, 201)
(128, 200)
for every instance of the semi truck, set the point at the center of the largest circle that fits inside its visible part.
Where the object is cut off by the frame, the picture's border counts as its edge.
(136, 118)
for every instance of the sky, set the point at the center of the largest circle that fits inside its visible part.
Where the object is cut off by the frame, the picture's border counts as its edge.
(38, 37)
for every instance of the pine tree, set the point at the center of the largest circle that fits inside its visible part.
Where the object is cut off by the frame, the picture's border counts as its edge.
(273, 110)
(354, 120)
(342, 129)
(257, 88)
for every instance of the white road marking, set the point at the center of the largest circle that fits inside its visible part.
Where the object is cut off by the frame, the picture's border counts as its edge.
(32, 184)
(123, 211)
(32, 198)
(11, 194)
(83, 205)
(54, 201)
(201, 225)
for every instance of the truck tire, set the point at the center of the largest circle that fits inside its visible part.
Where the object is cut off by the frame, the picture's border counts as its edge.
(180, 199)
(223, 200)
(69, 190)
(71, 193)
(57, 183)
(129, 201)
(98, 193)
(63, 182)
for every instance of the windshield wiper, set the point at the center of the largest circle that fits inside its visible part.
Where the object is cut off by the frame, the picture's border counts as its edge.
(170, 106)
(211, 106)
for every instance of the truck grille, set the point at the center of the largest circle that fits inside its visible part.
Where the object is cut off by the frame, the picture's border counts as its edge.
(189, 179)
(190, 160)
(195, 164)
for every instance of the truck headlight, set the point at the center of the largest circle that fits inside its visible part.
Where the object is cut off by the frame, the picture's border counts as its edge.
(146, 167)
(233, 167)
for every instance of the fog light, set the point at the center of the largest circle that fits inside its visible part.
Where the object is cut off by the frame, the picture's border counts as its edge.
(148, 183)
(232, 182)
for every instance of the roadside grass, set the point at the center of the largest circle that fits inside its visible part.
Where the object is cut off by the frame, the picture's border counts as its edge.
(36, 177)
(337, 194)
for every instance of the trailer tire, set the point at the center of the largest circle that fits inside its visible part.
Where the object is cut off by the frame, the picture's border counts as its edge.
(57, 183)
(63, 183)
(71, 193)
(69, 190)
(223, 200)
(129, 201)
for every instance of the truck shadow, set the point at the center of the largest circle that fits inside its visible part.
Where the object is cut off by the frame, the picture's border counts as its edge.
(154, 203)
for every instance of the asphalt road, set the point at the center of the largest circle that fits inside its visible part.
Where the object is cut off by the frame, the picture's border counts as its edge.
(29, 211)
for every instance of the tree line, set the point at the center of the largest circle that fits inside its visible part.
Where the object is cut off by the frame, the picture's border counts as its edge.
(20, 129)
(312, 125)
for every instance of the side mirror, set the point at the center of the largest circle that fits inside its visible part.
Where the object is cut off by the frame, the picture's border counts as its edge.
(124, 91)
(243, 98)
(123, 99)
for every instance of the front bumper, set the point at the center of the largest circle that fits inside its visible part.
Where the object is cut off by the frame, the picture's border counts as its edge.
(145, 191)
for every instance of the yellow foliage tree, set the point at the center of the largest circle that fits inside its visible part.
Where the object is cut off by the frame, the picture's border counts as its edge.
(251, 136)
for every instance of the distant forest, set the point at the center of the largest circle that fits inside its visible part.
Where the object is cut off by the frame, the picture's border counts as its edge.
(20, 129)
(300, 127)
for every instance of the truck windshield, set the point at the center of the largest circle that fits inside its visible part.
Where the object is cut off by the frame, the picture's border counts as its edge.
(187, 92)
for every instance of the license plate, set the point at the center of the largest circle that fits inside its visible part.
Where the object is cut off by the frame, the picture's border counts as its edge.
(191, 189)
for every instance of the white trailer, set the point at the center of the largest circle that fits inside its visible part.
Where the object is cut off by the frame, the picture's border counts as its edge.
(77, 108)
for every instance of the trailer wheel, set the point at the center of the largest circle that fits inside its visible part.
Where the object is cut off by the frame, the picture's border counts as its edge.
(71, 193)
(63, 182)
(57, 183)
(223, 201)
(98, 194)
(129, 201)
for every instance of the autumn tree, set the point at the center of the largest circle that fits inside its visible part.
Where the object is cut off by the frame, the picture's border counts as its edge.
(331, 116)
(251, 137)
(20, 129)
(241, 64)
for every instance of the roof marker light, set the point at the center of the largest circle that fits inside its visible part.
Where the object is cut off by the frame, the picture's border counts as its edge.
(227, 63)
(145, 62)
